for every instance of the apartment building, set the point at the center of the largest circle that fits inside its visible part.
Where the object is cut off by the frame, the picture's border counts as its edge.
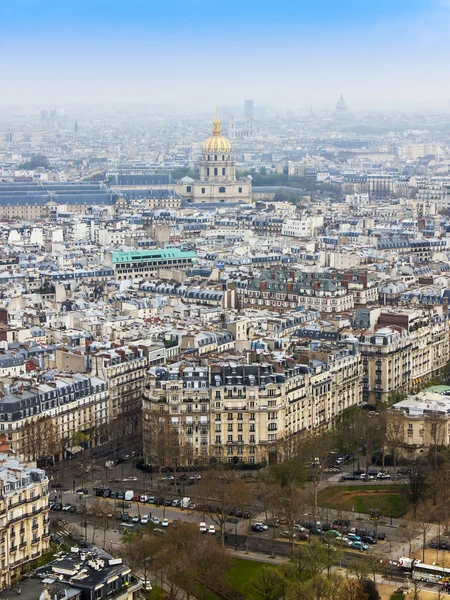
(90, 575)
(407, 348)
(418, 424)
(232, 412)
(54, 416)
(283, 290)
(123, 369)
(330, 383)
(24, 518)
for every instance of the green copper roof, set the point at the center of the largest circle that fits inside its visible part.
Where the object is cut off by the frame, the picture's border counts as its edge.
(139, 255)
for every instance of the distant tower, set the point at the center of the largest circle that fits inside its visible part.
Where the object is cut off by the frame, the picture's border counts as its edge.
(341, 107)
(75, 129)
(248, 109)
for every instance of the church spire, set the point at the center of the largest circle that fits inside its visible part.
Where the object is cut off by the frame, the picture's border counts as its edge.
(217, 127)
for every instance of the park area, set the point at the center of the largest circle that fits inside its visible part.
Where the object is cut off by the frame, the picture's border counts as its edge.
(389, 499)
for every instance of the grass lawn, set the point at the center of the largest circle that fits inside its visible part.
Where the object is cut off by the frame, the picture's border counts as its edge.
(389, 499)
(241, 573)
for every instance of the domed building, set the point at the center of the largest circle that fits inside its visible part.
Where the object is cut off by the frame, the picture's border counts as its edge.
(218, 181)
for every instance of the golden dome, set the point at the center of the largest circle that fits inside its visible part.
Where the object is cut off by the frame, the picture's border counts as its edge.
(217, 142)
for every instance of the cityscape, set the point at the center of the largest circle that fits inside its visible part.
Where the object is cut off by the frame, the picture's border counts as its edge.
(224, 301)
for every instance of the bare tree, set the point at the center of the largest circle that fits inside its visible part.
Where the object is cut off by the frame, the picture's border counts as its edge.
(223, 492)
(424, 528)
(395, 432)
(416, 485)
(410, 533)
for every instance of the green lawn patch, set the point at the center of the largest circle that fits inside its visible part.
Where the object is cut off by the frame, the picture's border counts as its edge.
(241, 573)
(391, 500)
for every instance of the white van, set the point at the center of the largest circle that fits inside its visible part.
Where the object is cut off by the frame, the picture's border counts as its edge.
(185, 502)
(129, 495)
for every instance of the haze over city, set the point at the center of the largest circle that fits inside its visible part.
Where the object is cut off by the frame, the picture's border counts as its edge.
(189, 53)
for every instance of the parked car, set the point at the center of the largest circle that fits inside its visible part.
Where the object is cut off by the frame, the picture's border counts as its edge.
(176, 503)
(381, 535)
(353, 537)
(203, 528)
(155, 520)
(120, 496)
(211, 529)
(165, 523)
(368, 477)
(144, 519)
(316, 531)
(367, 539)
(258, 528)
(143, 498)
(135, 519)
(82, 491)
(57, 506)
(333, 533)
(107, 493)
(383, 476)
(348, 477)
(359, 545)
(57, 484)
(443, 545)
(302, 535)
(167, 502)
(125, 517)
(67, 507)
(151, 500)
(263, 525)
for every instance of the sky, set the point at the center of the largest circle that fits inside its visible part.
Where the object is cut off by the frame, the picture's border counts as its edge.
(197, 53)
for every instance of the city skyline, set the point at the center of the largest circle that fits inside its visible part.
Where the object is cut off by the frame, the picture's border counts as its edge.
(380, 55)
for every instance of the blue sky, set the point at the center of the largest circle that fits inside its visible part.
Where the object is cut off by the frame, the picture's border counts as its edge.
(296, 53)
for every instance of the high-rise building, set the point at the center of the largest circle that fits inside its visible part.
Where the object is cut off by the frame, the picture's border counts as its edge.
(248, 109)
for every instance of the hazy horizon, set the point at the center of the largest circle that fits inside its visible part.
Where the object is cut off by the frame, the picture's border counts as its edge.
(381, 54)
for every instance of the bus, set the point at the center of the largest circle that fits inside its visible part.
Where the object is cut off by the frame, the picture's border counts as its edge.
(424, 572)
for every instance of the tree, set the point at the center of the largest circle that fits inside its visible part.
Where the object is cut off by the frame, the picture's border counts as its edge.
(225, 492)
(39, 439)
(314, 450)
(416, 484)
(138, 551)
(409, 534)
(395, 432)
(370, 588)
(424, 528)
(209, 563)
(36, 161)
(268, 584)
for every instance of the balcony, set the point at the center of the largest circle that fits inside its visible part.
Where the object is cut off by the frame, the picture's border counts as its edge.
(13, 549)
(36, 540)
(22, 544)
(34, 526)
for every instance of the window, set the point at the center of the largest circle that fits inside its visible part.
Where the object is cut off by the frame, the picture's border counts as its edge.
(207, 171)
(230, 426)
(188, 188)
(230, 438)
(230, 416)
(217, 395)
(215, 171)
(223, 170)
(240, 190)
(223, 156)
(252, 416)
(215, 157)
(204, 189)
(221, 189)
